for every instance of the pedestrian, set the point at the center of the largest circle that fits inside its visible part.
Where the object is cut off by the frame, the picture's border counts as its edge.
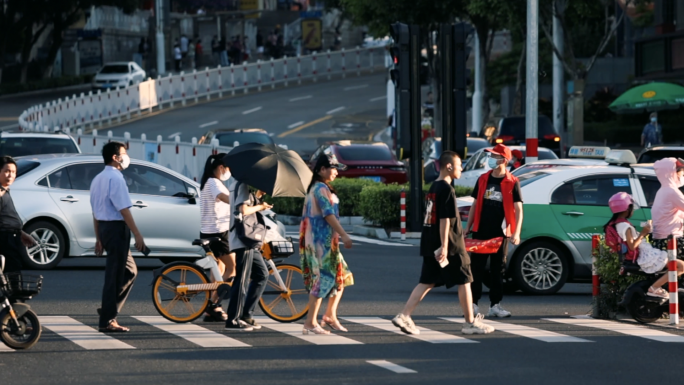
(495, 212)
(184, 42)
(249, 263)
(652, 134)
(518, 160)
(177, 56)
(445, 259)
(13, 240)
(215, 212)
(114, 224)
(191, 55)
(668, 205)
(215, 49)
(199, 51)
(260, 45)
(224, 52)
(325, 272)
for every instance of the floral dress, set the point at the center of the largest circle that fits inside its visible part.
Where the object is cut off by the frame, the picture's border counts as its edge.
(322, 263)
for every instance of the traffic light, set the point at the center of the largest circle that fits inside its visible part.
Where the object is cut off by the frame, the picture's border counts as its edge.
(405, 53)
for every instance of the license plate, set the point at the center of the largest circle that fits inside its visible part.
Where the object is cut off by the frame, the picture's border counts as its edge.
(373, 178)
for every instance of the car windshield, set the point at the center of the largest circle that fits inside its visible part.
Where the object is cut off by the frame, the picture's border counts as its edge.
(531, 177)
(25, 165)
(476, 145)
(371, 153)
(515, 127)
(115, 69)
(229, 138)
(36, 146)
(656, 155)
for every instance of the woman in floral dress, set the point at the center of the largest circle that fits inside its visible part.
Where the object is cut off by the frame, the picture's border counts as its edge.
(325, 271)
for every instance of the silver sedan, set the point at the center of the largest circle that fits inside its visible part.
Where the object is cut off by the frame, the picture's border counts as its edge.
(51, 194)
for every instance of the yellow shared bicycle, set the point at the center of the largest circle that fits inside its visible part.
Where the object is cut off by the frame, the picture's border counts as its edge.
(181, 291)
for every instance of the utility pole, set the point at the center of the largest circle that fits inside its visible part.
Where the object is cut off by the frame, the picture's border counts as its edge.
(558, 79)
(478, 95)
(532, 109)
(161, 56)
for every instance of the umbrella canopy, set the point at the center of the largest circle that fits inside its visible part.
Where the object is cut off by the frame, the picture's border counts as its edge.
(276, 171)
(649, 97)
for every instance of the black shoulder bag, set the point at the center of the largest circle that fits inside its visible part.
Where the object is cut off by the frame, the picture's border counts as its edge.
(250, 229)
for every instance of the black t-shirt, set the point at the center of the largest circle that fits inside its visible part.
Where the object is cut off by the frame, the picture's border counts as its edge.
(441, 204)
(9, 218)
(492, 215)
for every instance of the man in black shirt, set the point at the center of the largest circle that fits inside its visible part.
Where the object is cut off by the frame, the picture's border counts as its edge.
(495, 212)
(445, 259)
(13, 241)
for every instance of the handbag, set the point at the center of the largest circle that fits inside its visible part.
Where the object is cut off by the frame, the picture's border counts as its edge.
(250, 229)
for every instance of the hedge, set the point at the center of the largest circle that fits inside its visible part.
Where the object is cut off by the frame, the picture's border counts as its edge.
(613, 285)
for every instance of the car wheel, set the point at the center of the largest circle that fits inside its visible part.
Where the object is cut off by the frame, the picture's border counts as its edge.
(540, 268)
(50, 248)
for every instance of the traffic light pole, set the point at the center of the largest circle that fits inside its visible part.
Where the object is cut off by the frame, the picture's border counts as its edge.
(461, 31)
(447, 89)
(416, 160)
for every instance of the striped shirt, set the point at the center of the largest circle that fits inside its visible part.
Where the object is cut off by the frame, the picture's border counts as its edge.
(215, 213)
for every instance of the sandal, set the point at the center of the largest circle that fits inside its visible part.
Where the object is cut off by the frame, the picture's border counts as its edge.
(315, 330)
(658, 293)
(114, 327)
(215, 313)
(334, 325)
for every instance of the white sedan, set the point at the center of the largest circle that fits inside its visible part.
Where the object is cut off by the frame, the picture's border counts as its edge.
(477, 165)
(118, 74)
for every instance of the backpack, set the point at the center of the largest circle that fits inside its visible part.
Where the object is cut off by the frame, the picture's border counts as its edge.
(250, 229)
(616, 244)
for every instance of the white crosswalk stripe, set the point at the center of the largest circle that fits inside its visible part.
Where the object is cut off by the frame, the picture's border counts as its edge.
(193, 333)
(391, 366)
(295, 330)
(80, 334)
(4, 348)
(619, 327)
(526, 331)
(426, 335)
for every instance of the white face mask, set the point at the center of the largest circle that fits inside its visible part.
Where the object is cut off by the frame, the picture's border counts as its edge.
(125, 161)
(225, 176)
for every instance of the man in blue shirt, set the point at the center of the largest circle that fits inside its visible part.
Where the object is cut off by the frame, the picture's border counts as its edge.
(114, 224)
(653, 132)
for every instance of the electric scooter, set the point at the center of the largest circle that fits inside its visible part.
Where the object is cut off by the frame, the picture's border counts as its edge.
(19, 325)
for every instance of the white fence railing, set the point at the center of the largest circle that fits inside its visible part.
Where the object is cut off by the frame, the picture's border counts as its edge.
(95, 109)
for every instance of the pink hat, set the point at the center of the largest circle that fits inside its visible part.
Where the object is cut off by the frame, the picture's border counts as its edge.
(620, 202)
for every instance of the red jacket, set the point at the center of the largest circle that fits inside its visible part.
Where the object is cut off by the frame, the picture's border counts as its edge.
(507, 185)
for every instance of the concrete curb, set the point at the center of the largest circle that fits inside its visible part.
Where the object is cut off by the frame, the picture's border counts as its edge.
(371, 232)
(409, 235)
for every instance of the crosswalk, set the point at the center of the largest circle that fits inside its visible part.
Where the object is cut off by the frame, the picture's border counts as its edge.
(363, 330)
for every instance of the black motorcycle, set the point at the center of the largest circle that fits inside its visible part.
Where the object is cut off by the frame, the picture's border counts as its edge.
(19, 325)
(642, 307)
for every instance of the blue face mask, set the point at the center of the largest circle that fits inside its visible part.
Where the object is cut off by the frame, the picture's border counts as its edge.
(492, 163)
(654, 120)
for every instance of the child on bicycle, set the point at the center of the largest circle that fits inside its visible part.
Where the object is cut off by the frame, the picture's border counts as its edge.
(650, 259)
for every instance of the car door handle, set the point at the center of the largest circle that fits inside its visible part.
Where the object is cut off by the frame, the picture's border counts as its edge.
(139, 204)
(573, 213)
(68, 198)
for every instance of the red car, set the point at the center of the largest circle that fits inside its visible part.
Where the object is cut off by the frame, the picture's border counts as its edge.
(367, 160)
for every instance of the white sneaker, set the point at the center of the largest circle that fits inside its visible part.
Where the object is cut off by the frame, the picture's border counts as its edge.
(498, 311)
(477, 326)
(406, 324)
(399, 321)
(476, 310)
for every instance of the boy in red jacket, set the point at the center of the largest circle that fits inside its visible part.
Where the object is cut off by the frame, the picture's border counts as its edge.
(498, 200)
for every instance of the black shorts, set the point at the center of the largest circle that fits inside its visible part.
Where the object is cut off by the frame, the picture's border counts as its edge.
(662, 245)
(455, 273)
(219, 248)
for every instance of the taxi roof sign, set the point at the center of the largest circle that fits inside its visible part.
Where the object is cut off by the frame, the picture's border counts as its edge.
(621, 157)
(588, 152)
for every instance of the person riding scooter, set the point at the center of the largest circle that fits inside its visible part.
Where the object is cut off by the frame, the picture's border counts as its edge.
(668, 206)
(649, 259)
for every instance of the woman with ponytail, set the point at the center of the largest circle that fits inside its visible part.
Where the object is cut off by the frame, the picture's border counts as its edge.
(215, 223)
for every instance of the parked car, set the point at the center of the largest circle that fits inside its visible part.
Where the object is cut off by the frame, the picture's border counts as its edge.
(228, 136)
(365, 160)
(564, 206)
(118, 74)
(511, 131)
(51, 194)
(17, 144)
(653, 154)
(477, 165)
(577, 156)
(431, 165)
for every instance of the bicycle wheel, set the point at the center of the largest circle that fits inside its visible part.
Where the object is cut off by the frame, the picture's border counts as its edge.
(180, 305)
(21, 336)
(285, 306)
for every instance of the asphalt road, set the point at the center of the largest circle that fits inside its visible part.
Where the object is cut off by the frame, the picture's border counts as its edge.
(384, 275)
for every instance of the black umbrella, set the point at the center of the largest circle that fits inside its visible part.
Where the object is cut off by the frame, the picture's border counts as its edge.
(271, 169)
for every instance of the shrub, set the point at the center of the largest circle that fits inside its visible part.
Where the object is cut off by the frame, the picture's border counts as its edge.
(613, 285)
(380, 204)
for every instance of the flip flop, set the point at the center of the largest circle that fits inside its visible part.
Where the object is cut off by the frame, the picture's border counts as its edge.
(114, 329)
(658, 293)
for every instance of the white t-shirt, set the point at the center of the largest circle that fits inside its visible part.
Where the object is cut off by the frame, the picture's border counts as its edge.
(238, 198)
(621, 229)
(215, 213)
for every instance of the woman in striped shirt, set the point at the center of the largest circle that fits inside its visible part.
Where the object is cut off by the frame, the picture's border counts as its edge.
(215, 211)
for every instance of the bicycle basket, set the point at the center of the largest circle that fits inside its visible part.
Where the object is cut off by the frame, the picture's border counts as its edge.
(23, 285)
(281, 249)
